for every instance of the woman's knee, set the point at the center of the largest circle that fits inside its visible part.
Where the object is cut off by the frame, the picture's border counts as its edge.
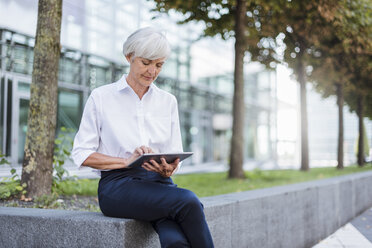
(190, 200)
(185, 203)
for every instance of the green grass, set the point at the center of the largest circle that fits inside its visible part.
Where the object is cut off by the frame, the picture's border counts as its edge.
(217, 183)
(86, 187)
(208, 184)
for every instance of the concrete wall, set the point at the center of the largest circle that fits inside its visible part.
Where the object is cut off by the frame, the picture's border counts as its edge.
(297, 215)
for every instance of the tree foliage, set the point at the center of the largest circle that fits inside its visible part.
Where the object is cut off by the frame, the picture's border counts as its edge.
(327, 42)
(348, 61)
(324, 41)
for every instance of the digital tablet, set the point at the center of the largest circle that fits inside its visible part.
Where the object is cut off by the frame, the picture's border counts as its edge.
(169, 157)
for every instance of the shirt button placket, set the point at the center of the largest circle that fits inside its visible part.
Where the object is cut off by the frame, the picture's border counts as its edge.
(141, 123)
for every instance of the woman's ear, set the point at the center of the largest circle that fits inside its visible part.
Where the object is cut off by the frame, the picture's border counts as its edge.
(129, 58)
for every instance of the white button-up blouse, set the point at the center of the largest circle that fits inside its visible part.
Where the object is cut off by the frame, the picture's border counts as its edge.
(115, 122)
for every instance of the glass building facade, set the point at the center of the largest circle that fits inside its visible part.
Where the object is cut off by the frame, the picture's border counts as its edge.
(197, 73)
(205, 107)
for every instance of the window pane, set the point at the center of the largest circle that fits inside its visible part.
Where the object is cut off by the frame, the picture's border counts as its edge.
(23, 114)
(69, 109)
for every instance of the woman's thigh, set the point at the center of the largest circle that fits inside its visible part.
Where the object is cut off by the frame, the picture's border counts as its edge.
(141, 199)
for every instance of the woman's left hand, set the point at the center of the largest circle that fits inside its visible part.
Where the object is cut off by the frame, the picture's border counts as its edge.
(164, 169)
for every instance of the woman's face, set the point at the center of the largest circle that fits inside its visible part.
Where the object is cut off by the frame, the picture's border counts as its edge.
(144, 71)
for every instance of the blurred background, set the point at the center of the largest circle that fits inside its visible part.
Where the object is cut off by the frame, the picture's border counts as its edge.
(199, 73)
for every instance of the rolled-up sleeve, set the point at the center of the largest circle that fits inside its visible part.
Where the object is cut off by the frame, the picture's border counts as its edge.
(87, 138)
(176, 140)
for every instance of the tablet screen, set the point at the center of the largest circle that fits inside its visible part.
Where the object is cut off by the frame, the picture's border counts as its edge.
(169, 157)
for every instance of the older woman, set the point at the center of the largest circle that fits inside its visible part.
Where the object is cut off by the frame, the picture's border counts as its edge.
(131, 117)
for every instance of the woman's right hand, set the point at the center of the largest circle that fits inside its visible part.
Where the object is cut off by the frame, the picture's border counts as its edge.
(139, 151)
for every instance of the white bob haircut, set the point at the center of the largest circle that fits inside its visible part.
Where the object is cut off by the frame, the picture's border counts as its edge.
(148, 43)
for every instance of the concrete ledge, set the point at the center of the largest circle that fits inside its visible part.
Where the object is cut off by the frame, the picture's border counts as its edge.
(297, 215)
(28, 227)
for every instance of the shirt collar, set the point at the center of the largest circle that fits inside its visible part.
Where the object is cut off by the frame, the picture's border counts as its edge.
(122, 84)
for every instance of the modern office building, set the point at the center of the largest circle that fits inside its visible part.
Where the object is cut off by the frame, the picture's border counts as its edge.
(199, 73)
(323, 131)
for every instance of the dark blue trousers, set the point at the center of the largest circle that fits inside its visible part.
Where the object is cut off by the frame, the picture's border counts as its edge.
(175, 213)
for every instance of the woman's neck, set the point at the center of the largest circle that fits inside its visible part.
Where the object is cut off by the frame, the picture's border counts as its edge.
(139, 89)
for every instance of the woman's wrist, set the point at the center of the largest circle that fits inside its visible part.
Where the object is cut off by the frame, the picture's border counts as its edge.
(120, 163)
(124, 162)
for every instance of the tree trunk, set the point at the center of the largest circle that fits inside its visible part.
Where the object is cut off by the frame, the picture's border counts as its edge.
(237, 140)
(304, 130)
(38, 153)
(360, 112)
(340, 104)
